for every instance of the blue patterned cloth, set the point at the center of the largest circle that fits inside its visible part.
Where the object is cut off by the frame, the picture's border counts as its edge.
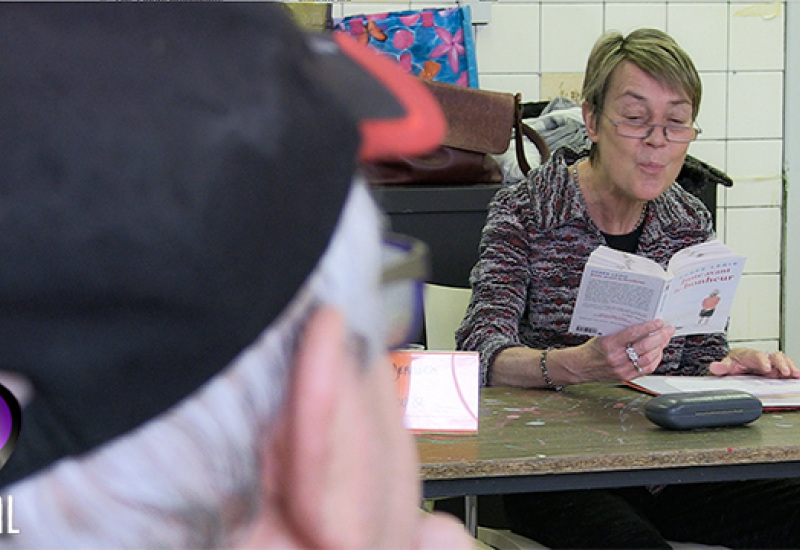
(436, 44)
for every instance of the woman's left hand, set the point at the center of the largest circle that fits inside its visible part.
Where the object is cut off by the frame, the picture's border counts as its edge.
(751, 361)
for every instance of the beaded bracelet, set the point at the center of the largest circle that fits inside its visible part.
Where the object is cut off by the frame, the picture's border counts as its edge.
(545, 375)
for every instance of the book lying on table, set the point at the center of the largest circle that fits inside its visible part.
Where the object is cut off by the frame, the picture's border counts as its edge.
(773, 393)
(694, 294)
(439, 391)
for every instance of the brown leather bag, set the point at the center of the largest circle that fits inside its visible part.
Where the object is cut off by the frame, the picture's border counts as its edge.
(480, 124)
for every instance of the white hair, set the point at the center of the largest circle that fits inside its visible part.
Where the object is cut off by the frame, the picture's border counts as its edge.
(189, 478)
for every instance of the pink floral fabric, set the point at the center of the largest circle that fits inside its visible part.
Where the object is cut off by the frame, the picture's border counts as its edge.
(436, 44)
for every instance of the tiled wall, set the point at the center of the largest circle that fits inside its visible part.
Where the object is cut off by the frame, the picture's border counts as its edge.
(540, 49)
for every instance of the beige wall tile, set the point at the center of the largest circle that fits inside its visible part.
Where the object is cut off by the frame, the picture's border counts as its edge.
(766, 346)
(756, 233)
(625, 17)
(357, 8)
(568, 85)
(712, 152)
(755, 105)
(712, 115)
(527, 85)
(568, 33)
(756, 309)
(766, 192)
(756, 37)
(755, 159)
(701, 28)
(722, 217)
(510, 42)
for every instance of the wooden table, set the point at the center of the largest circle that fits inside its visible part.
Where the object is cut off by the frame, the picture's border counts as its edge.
(594, 436)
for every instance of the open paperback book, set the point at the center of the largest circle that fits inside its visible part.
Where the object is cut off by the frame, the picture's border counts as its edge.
(773, 393)
(694, 294)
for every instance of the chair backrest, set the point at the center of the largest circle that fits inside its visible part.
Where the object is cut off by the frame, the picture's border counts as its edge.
(445, 307)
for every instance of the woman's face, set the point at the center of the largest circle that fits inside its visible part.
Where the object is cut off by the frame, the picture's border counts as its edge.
(641, 169)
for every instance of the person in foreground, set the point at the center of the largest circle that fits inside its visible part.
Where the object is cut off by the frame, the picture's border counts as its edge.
(194, 310)
(641, 97)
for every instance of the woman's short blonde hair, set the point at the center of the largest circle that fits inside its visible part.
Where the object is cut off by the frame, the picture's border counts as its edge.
(654, 52)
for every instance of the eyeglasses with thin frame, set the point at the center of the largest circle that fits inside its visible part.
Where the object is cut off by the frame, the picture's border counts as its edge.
(641, 130)
(406, 266)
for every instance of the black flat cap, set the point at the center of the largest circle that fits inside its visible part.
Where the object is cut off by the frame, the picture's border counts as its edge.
(170, 174)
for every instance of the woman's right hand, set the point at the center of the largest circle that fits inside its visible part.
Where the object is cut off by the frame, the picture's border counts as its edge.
(601, 359)
(630, 353)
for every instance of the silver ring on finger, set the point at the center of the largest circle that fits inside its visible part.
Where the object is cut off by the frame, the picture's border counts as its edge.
(634, 357)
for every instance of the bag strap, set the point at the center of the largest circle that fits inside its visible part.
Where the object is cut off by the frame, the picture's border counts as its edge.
(520, 129)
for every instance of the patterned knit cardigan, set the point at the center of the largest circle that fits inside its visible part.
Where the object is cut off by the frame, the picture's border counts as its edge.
(535, 243)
